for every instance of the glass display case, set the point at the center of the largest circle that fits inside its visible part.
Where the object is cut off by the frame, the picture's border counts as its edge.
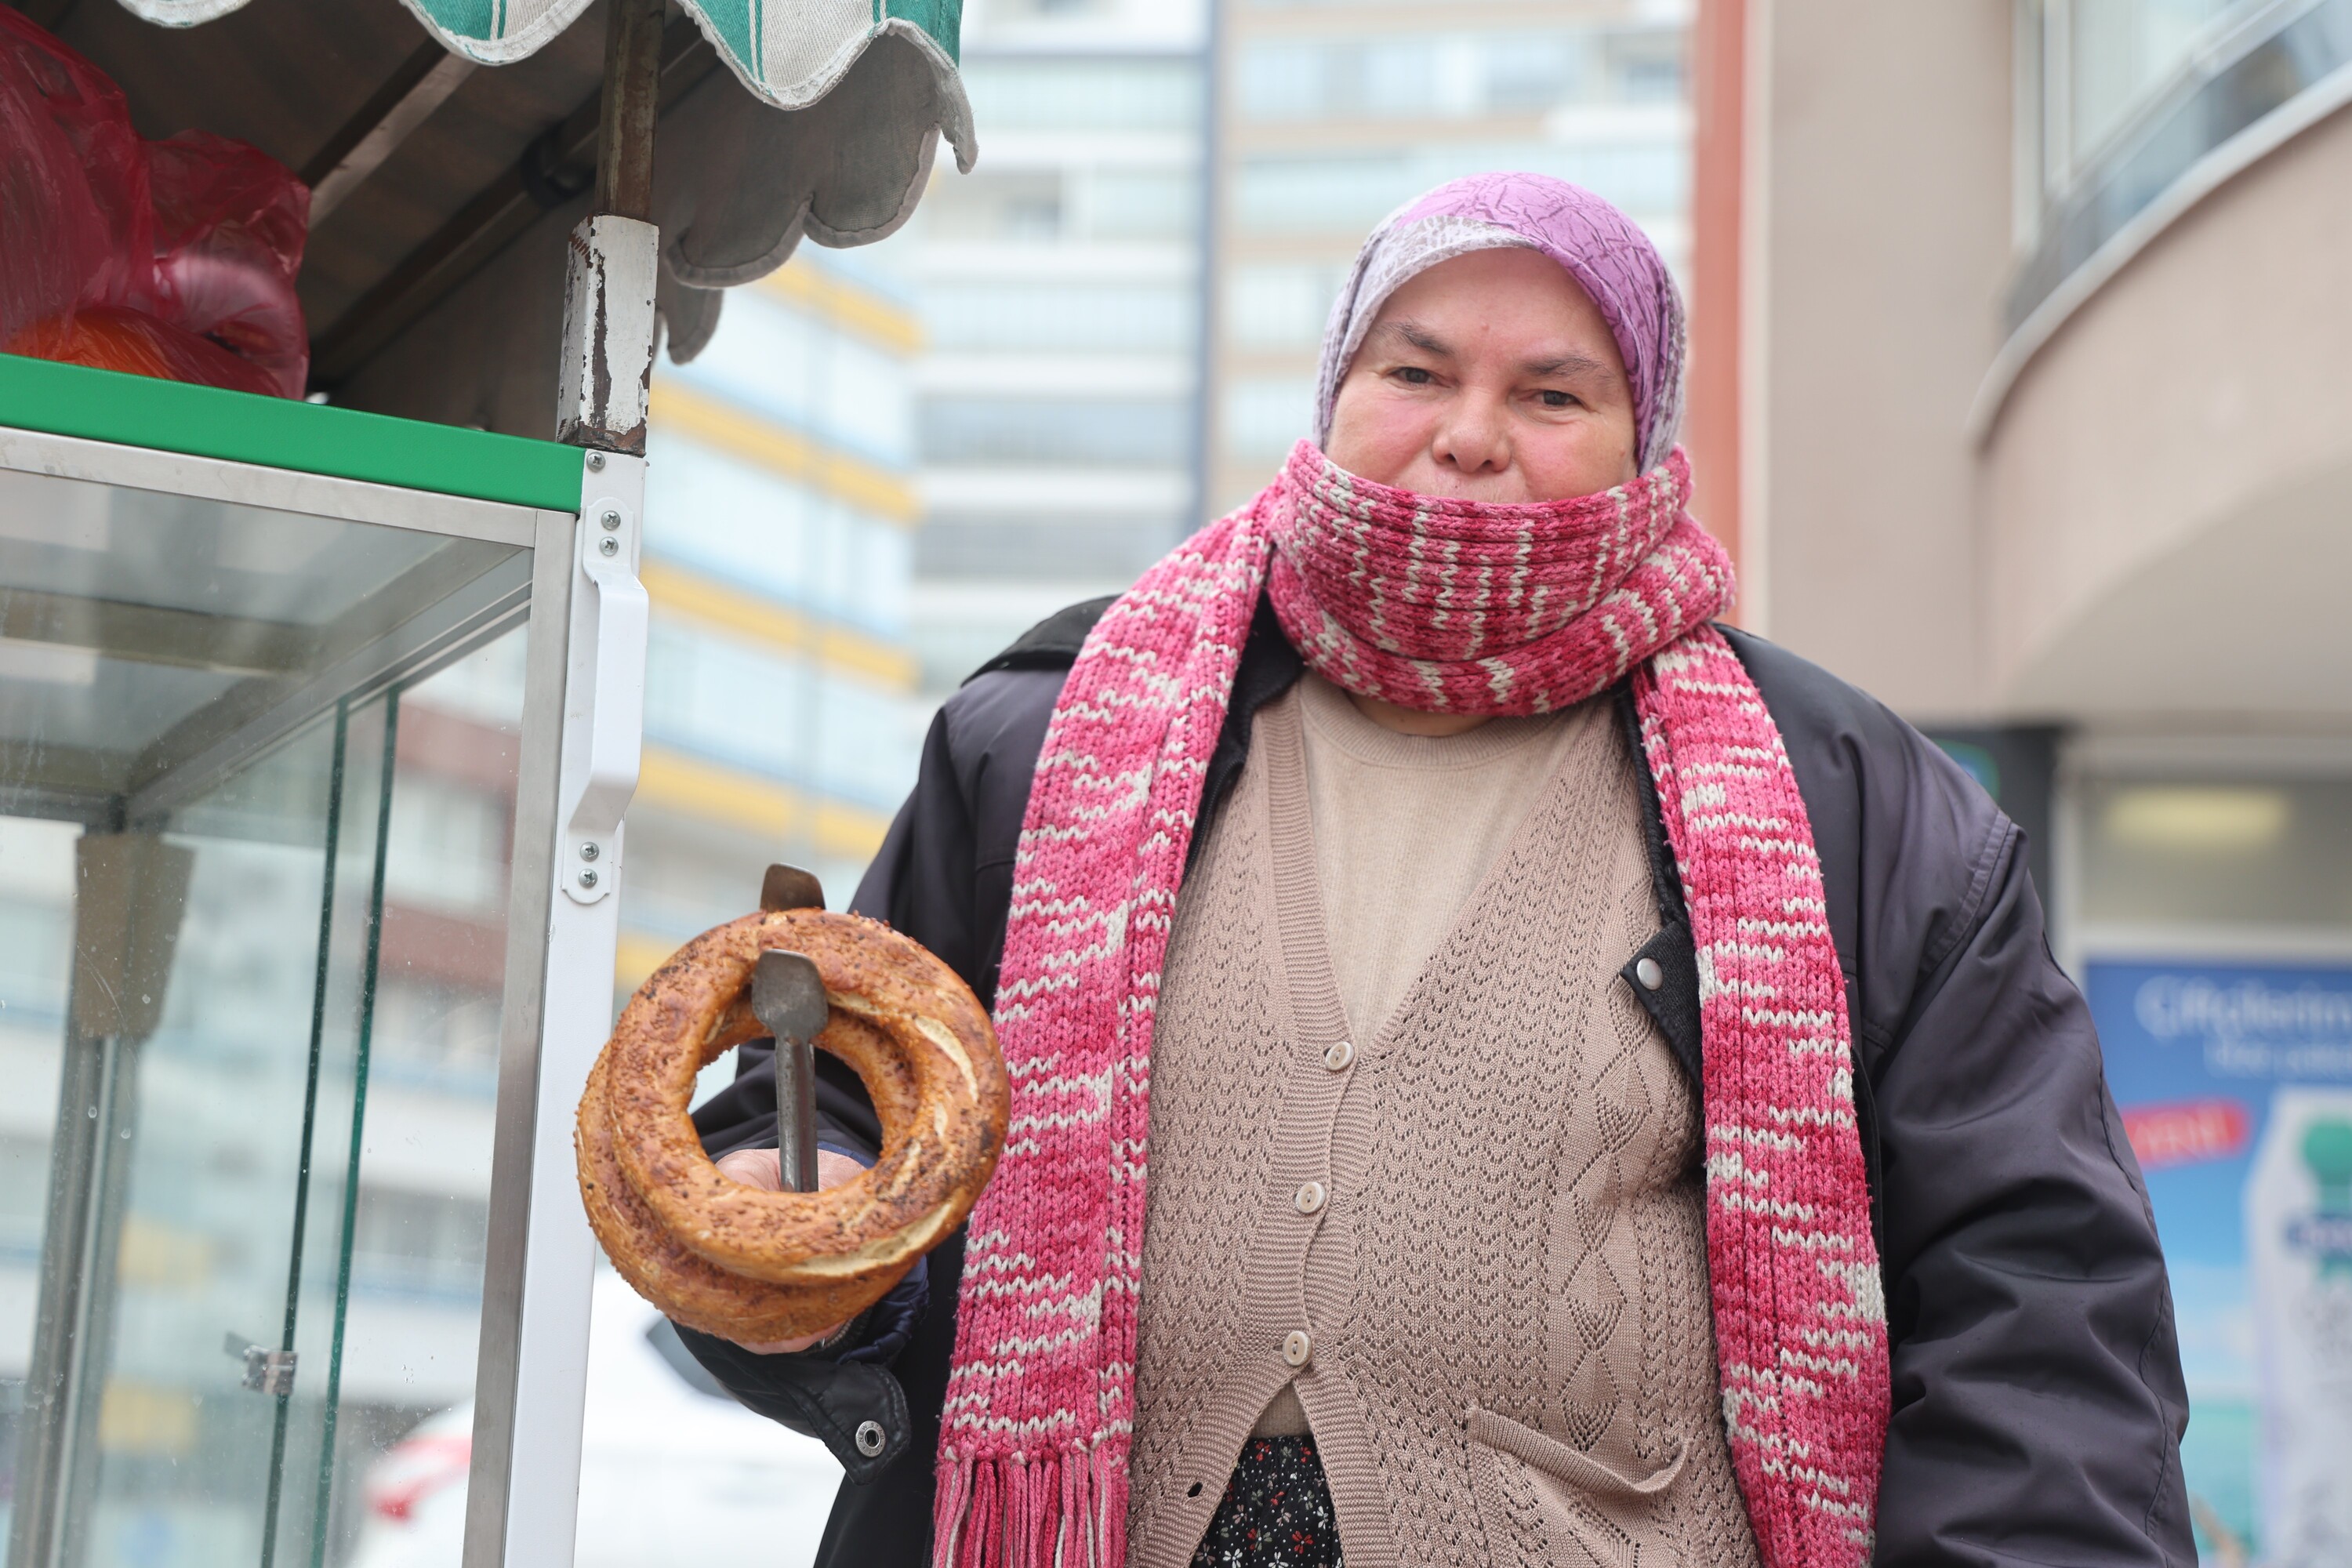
(315, 731)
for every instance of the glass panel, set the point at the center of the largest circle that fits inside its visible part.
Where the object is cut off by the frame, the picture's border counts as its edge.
(1048, 95)
(138, 624)
(2212, 853)
(2147, 89)
(2123, 52)
(410, 1259)
(37, 885)
(253, 883)
(214, 1121)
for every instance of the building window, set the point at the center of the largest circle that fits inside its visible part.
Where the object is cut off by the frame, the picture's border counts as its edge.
(1061, 318)
(1647, 178)
(1456, 74)
(448, 846)
(740, 522)
(1082, 94)
(986, 204)
(990, 547)
(1136, 203)
(1279, 305)
(768, 711)
(1264, 415)
(1110, 431)
(426, 1242)
(1056, 206)
(2207, 854)
(2123, 99)
(2120, 55)
(1646, 67)
(774, 361)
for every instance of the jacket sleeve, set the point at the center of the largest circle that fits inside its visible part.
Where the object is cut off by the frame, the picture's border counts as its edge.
(2038, 1400)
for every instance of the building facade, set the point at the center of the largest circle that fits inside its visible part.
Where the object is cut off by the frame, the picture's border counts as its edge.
(1330, 116)
(1059, 287)
(780, 527)
(2045, 437)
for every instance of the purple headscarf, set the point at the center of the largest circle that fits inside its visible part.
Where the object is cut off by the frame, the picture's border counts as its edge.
(1607, 254)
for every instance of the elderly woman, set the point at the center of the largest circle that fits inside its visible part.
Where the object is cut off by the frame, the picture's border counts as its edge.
(1506, 1071)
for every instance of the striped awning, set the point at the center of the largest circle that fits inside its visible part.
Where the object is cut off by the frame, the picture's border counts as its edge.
(788, 52)
(846, 101)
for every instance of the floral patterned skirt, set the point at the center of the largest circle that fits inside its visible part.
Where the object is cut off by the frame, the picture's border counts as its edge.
(1275, 1513)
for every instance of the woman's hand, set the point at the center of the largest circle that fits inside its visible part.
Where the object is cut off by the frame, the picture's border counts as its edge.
(761, 1168)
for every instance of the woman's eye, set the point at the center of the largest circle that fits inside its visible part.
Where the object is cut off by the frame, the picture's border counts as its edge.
(1558, 400)
(1414, 375)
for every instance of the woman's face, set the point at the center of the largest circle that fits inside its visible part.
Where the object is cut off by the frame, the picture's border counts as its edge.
(1491, 377)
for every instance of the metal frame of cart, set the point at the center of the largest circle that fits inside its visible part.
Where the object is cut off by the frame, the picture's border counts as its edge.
(575, 516)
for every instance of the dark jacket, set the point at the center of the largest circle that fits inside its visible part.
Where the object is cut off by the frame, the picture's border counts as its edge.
(2038, 1402)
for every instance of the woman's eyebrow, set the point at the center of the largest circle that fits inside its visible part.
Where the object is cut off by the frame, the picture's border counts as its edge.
(1417, 335)
(1568, 363)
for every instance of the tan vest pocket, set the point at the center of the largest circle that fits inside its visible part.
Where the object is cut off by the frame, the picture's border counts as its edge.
(1546, 1505)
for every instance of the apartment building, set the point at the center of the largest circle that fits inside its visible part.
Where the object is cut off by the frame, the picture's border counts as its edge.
(781, 513)
(1332, 115)
(1059, 288)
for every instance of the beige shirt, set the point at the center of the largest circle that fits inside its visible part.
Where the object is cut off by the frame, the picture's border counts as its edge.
(1406, 826)
(1467, 1235)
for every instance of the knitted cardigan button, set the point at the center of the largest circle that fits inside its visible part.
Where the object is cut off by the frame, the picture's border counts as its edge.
(1337, 1057)
(1311, 1198)
(1648, 973)
(1297, 1346)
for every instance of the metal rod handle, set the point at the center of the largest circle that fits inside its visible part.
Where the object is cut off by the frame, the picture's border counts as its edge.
(796, 1115)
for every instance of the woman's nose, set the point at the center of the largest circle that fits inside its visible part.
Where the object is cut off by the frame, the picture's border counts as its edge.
(1473, 438)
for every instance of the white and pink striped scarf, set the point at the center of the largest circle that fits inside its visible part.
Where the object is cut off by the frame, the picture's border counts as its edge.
(1441, 606)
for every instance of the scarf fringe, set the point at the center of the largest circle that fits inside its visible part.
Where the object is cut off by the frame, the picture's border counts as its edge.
(1056, 1510)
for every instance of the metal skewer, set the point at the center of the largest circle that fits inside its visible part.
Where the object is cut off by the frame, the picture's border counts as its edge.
(788, 998)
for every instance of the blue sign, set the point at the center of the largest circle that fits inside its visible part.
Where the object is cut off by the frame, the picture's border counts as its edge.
(2235, 1084)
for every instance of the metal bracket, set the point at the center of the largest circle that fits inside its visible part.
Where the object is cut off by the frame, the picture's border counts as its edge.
(608, 675)
(265, 1370)
(605, 377)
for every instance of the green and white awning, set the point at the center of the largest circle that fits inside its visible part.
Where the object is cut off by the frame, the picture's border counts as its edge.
(788, 52)
(848, 100)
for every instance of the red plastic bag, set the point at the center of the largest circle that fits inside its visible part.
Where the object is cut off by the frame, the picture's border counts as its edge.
(74, 201)
(174, 259)
(114, 337)
(230, 221)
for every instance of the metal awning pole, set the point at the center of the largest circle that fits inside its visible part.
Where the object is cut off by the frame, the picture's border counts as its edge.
(624, 135)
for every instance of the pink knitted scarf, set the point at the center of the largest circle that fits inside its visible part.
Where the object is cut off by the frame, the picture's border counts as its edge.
(1442, 605)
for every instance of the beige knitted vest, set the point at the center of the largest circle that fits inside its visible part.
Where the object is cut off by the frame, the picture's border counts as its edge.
(1498, 1303)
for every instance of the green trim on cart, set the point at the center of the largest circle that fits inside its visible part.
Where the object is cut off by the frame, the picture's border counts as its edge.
(278, 432)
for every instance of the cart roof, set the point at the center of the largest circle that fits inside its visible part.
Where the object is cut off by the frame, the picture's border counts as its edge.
(433, 284)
